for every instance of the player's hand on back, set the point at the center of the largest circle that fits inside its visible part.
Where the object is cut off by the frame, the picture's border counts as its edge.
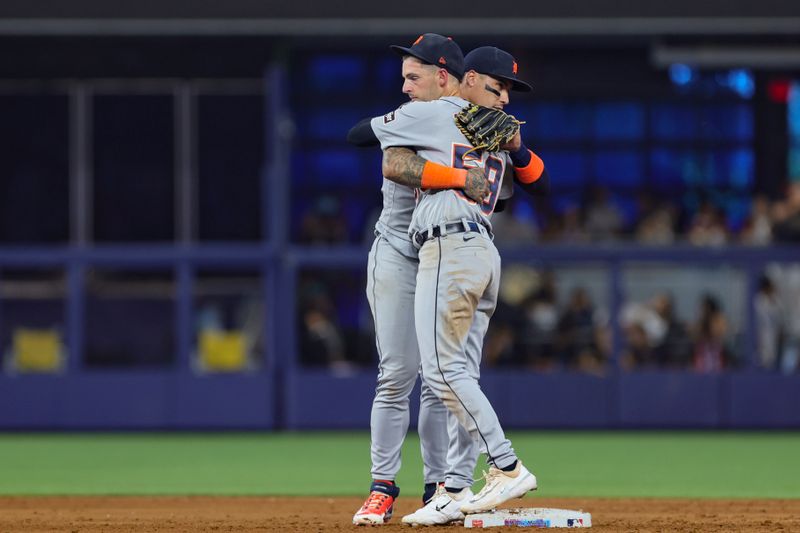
(476, 185)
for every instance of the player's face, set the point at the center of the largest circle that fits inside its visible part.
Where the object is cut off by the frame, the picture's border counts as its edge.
(491, 92)
(420, 81)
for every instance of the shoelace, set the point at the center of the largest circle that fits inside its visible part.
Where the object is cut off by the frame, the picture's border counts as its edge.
(375, 501)
(435, 501)
(491, 478)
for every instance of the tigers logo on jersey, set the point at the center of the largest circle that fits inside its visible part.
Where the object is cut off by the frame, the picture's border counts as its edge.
(387, 118)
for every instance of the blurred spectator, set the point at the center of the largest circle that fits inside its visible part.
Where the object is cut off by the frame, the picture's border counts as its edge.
(509, 229)
(757, 228)
(707, 227)
(529, 329)
(552, 224)
(644, 329)
(571, 230)
(321, 340)
(578, 334)
(517, 284)
(654, 335)
(325, 223)
(675, 347)
(638, 351)
(645, 203)
(657, 227)
(500, 348)
(786, 215)
(768, 318)
(604, 221)
(710, 332)
(787, 282)
(600, 219)
(539, 339)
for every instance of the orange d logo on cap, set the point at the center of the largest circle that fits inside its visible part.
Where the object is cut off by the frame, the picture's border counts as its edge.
(514, 67)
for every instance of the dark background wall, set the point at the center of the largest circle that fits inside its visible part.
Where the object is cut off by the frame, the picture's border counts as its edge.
(171, 169)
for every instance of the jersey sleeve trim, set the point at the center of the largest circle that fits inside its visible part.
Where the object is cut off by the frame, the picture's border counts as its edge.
(532, 171)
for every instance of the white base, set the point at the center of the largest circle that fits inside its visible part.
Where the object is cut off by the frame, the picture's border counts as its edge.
(530, 517)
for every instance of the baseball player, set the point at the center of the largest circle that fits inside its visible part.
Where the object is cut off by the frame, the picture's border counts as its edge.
(432, 67)
(459, 267)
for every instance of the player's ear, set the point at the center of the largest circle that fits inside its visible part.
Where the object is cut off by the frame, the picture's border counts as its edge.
(443, 77)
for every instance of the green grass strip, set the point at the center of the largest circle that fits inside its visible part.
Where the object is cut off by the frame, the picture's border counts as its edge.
(581, 464)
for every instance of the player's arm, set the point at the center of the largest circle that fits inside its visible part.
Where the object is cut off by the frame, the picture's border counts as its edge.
(529, 171)
(405, 167)
(409, 128)
(362, 135)
(376, 131)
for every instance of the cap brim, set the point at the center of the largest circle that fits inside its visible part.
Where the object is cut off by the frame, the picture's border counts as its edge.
(519, 85)
(516, 85)
(403, 51)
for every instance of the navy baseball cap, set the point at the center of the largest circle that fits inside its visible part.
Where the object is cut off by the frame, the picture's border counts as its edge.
(437, 50)
(497, 64)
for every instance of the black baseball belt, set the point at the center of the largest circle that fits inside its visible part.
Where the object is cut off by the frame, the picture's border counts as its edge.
(445, 229)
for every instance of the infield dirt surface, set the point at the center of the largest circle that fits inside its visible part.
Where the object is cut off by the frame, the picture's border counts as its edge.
(76, 514)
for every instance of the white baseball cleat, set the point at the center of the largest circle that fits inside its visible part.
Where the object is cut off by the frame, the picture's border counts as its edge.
(499, 488)
(442, 509)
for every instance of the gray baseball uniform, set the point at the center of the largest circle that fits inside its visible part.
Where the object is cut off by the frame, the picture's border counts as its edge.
(391, 282)
(459, 267)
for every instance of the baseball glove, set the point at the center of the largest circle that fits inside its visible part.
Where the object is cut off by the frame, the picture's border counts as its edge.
(486, 128)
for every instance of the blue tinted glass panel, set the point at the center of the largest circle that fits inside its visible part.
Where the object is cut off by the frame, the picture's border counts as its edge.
(673, 169)
(673, 122)
(793, 118)
(34, 168)
(567, 169)
(299, 168)
(629, 208)
(734, 168)
(133, 157)
(619, 121)
(743, 122)
(523, 211)
(619, 168)
(331, 125)
(558, 122)
(737, 209)
(563, 202)
(793, 110)
(356, 211)
(230, 149)
(728, 122)
(336, 73)
(335, 168)
(522, 111)
(388, 74)
(794, 162)
(300, 206)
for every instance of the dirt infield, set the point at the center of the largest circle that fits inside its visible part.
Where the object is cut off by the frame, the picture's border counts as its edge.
(111, 514)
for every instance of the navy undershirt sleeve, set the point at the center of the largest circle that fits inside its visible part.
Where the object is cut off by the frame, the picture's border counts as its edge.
(362, 135)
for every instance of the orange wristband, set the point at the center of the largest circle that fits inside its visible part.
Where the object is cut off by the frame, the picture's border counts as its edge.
(531, 172)
(436, 176)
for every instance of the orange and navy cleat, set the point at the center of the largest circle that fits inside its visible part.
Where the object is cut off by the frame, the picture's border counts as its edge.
(379, 505)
